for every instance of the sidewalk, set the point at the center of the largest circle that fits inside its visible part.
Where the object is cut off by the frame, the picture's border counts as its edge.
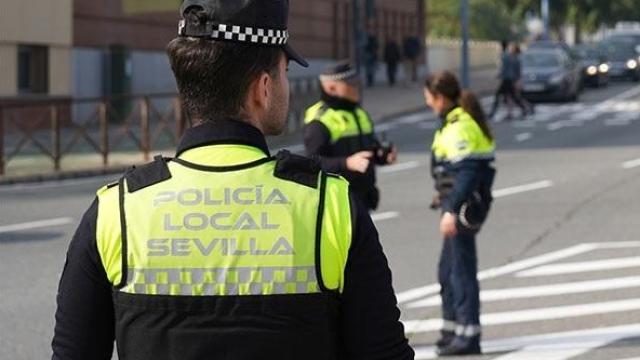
(382, 102)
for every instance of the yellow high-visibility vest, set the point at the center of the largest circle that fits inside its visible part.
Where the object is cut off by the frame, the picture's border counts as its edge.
(226, 230)
(460, 139)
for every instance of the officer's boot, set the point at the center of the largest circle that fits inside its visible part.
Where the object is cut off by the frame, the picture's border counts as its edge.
(446, 337)
(461, 345)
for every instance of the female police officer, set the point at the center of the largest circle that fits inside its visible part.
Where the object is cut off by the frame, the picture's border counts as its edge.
(462, 152)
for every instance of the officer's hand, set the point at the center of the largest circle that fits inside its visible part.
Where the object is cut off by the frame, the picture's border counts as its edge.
(359, 162)
(392, 158)
(448, 225)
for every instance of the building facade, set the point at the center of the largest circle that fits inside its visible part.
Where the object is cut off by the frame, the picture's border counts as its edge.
(95, 48)
(36, 42)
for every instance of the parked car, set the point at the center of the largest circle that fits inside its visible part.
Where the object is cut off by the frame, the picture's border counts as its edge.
(594, 65)
(624, 58)
(550, 74)
(550, 45)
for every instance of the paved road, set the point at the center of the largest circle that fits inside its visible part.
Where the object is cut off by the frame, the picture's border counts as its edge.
(560, 255)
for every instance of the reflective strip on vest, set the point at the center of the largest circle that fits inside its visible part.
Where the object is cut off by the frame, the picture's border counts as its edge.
(243, 232)
(462, 139)
(340, 123)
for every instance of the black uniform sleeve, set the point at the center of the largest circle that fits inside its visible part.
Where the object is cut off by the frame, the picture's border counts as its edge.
(370, 316)
(317, 142)
(467, 177)
(84, 318)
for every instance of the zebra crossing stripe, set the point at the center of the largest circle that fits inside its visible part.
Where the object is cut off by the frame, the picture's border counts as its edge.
(582, 340)
(544, 290)
(530, 315)
(568, 348)
(579, 267)
(422, 291)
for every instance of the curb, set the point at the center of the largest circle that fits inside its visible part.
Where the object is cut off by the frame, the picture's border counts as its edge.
(61, 176)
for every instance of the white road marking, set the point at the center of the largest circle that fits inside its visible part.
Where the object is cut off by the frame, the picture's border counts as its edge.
(35, 225)
(616, 245)
(400, 167)
(579, 267)
(522, 188)
(564, 123)
(419, 292)
(631, 164)
(626, 95)
(523, 137)
(385, 216)
(552, 350)
(411, 119)
(386, 127)
(530, 315)
(543, 290)
(567, 340)
(635, 358)
(428, 125)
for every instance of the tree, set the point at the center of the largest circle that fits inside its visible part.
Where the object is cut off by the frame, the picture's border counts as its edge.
(490, 20)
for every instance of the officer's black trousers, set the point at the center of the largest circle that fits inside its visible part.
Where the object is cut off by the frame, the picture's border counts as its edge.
(457, 274)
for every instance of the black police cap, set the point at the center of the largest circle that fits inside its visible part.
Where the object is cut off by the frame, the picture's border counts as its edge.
(342, 71)
(258, 22)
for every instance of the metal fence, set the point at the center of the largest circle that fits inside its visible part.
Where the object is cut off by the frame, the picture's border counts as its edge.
(54, 129)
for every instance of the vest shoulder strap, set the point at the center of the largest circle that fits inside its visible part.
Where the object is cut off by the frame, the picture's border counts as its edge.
(147, 175)
(298, 169)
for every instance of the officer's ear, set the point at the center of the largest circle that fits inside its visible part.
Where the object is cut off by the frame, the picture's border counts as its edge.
(259, 92)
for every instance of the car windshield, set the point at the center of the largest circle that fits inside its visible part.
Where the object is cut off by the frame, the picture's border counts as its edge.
(587, 53)
(620, 51)
(627, 39)
(540, 59)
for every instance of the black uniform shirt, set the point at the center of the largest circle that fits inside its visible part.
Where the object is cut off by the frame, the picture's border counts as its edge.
(369, 321)
(333, 156)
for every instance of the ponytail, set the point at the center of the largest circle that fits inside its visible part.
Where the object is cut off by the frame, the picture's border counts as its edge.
(470, 104)
(447, 85)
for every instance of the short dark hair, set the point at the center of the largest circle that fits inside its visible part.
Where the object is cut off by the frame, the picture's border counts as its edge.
(213, 77)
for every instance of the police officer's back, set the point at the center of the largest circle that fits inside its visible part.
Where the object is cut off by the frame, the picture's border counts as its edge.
(340, 133)
(226, 252)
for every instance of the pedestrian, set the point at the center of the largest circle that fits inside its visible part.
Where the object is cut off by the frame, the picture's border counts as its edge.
(225, 251)
(411, 52)
(510, 73)
(462, 154)
(341, 134)
(371, 59)
(527, 107)
(392, 58)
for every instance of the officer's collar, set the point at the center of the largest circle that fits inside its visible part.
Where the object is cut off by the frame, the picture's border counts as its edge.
(447, 111)
(222, 132)
(338, 103)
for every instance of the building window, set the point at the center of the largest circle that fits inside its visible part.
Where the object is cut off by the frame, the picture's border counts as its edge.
(33, 69)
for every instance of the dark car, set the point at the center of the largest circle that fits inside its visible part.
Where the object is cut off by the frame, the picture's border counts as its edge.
(550, 45)
(550, 74)
(594, 65)
(624, 58)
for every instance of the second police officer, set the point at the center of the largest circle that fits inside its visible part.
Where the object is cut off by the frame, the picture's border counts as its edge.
(462, 154)
(340, 133)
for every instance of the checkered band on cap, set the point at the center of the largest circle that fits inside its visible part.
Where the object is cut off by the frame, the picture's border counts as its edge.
(244, 34)
(349, 74)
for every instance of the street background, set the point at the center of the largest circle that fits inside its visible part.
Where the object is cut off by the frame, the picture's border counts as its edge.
(559, 258)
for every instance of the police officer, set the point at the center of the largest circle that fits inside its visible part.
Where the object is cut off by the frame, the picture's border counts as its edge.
(226, 252)
(341, 134)
(462, 153)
